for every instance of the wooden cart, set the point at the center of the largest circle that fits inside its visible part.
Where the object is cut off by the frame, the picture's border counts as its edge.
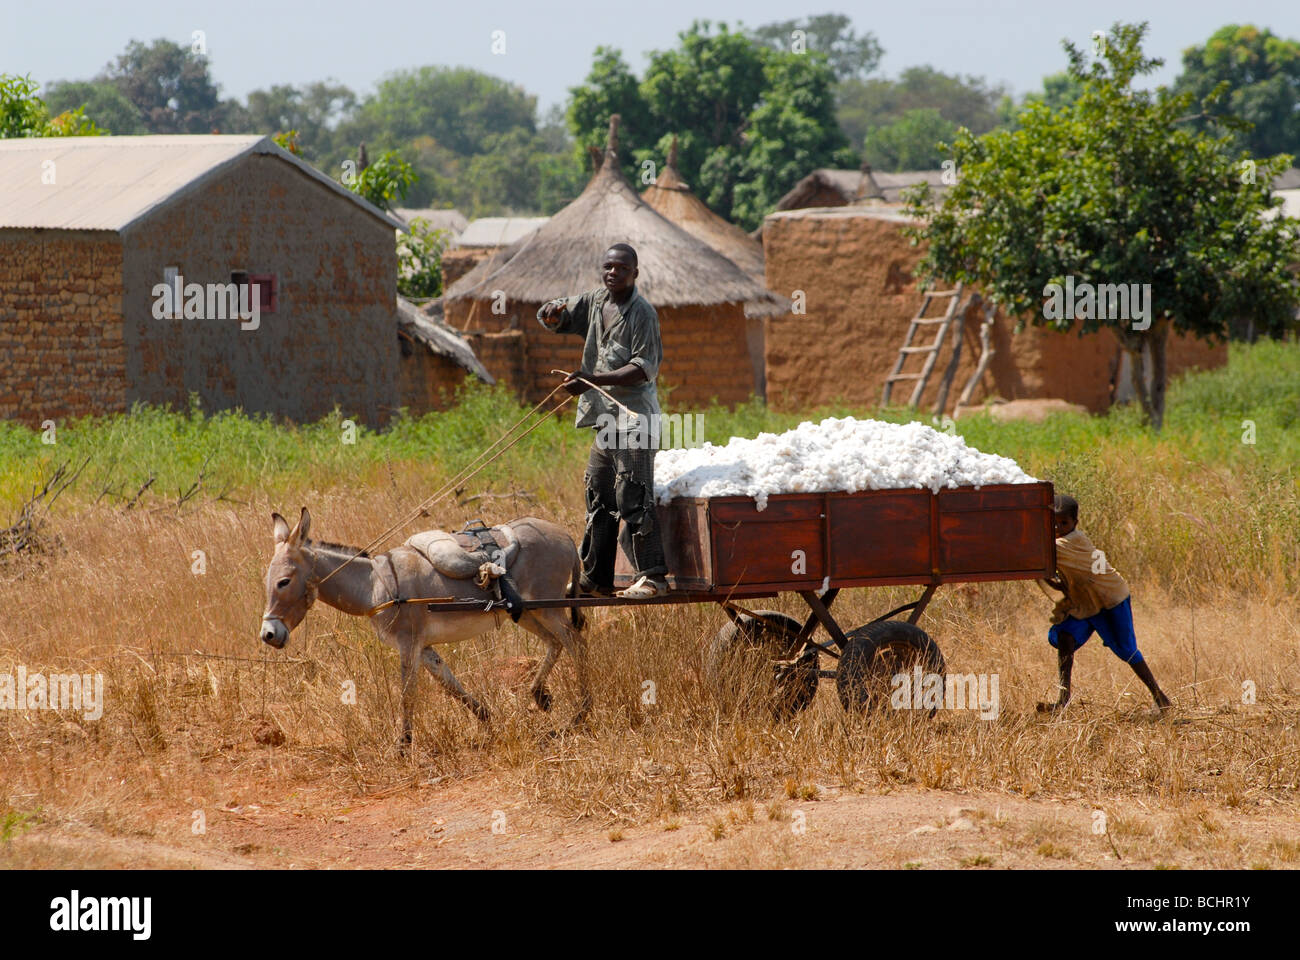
(725, 550)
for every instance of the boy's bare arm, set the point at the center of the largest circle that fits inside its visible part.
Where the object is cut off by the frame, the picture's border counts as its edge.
(1056, 583)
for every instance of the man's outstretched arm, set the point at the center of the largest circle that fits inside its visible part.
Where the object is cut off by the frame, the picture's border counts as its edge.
(566, 315)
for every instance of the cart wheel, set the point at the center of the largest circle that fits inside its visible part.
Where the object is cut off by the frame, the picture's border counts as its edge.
(875, 654)
(741, 665)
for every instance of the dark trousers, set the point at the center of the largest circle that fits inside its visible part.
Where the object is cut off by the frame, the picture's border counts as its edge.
(620, 487)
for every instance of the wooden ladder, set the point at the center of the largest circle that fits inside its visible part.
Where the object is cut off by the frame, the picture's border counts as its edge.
(931, 350)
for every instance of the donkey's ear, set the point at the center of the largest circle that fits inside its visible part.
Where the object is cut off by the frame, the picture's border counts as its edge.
(281, 528)
(304, 524)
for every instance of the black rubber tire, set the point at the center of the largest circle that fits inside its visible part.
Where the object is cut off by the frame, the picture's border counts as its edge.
(738, 665)
(874, 654)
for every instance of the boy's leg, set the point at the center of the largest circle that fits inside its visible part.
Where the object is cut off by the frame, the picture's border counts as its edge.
(600, 539)
(1116, 629)
(634, 496)
(1066, 636)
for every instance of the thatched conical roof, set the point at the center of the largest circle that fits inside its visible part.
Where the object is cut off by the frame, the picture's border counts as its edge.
(670, 195)
(563, 256)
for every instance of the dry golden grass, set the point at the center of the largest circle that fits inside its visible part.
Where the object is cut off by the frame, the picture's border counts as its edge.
(199, 715)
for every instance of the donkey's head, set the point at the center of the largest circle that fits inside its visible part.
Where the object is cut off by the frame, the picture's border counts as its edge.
(290, 591)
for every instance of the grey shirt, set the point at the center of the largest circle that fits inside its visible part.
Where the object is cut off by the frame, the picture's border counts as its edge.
(632, 338)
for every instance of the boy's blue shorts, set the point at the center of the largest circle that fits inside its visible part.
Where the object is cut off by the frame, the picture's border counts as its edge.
(1115, 626)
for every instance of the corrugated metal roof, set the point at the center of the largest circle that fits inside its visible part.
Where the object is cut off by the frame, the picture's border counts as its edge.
(892, 185)
(498, 231)
(111, 183)
(452, 220)
(1290, 205)
(1288, 179)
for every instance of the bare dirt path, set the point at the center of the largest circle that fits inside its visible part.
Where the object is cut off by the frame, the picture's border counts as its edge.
(451, 825)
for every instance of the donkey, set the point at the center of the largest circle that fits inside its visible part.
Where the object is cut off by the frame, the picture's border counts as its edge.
(546, 565)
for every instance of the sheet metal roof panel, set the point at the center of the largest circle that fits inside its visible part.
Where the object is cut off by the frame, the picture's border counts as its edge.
(110, 183)
(498, 231)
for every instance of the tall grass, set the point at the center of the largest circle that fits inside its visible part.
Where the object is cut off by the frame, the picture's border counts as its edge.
(1191, 505)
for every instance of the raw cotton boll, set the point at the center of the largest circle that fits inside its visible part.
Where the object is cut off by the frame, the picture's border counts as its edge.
(835, 455)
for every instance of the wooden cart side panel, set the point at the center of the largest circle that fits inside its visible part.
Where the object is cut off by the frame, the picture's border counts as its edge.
(882, 533)
(684, 528)
(686, 538)
(786, 542)
(872, 538)
(1002, 530)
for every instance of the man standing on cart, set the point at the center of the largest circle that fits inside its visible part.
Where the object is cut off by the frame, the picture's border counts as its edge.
(621, 355)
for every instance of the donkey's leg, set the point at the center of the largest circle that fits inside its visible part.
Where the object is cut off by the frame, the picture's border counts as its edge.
(556, 622)
(533, 624)
(409, 652)
(442, 673)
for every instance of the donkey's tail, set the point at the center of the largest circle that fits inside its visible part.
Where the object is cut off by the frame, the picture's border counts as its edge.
(575, 613)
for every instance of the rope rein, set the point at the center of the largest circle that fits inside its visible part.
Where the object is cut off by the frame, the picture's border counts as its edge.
(470, 470)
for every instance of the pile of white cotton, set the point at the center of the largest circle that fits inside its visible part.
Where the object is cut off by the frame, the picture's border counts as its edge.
(834, 455)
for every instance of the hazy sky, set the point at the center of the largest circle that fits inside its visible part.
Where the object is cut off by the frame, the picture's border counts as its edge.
(548, 46)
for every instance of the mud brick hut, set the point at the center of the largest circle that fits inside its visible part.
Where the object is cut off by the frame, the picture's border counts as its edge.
(89, 226)
(671, 196)
(435, 359)
(482, 238)
(826, 187)
(856, 266)
(700, 295)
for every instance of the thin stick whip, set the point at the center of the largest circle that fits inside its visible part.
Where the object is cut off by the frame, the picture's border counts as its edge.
(622, 406)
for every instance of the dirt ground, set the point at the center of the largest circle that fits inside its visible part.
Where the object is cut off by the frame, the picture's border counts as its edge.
(481, 823)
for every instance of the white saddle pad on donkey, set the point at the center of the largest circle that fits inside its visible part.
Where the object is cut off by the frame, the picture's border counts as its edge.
(461, 555)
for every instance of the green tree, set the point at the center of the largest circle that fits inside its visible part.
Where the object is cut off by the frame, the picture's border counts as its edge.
(1260, 74)
(1060, 89)
(384, 181)
(791, 132)
(442, 175)
(313, 111)
(101, 101)
(705, 90)
(505, 174)
(171, 87)
(610, 88)
(909, 143)
(849, 56)
(1114, 189)
(419, 260)
(560, 178)
(746, 116)
(460, 108)
(865, 105)
(438, 119)
(289, 141)
(24, 114)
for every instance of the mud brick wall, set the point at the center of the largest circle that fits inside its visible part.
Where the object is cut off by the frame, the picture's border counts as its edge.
(461, 260)
(332, 340)
(61, 343)
(427, 381)
(855, 268)
(706, 353)
(504, 354)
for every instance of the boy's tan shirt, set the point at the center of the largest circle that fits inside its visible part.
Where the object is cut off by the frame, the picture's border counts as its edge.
(1088, 592)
